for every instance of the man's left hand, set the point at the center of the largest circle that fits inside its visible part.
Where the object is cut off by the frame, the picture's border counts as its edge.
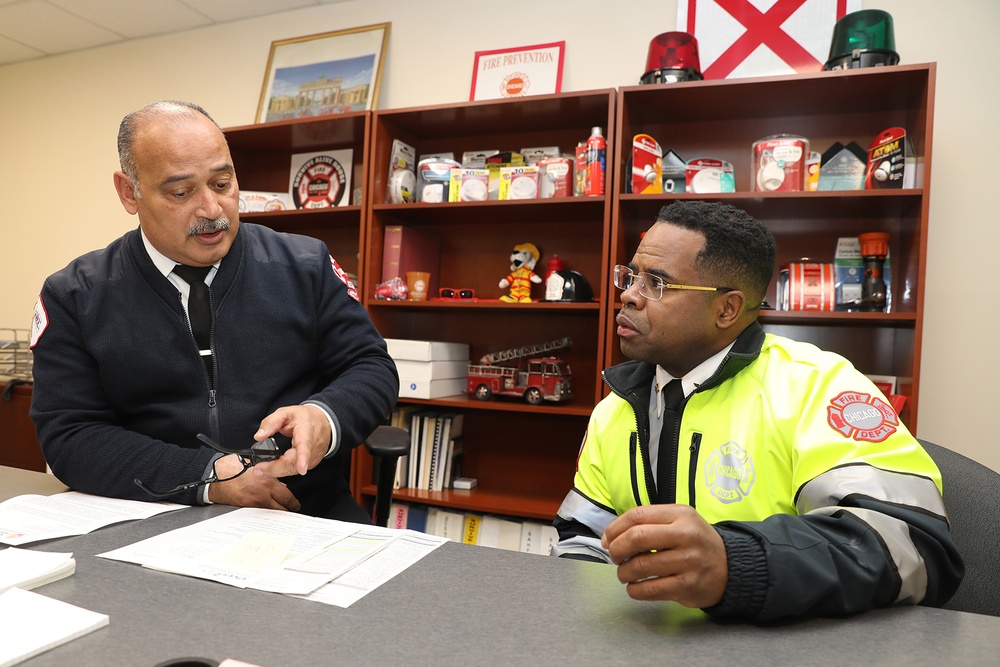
(668, 552)
(309, 430)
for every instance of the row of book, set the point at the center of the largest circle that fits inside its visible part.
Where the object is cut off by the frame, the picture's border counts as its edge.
(484, 530)
(435, 457)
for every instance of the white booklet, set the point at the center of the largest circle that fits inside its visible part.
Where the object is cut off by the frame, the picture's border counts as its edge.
(28, 569)
(31, 518)
(34, 624)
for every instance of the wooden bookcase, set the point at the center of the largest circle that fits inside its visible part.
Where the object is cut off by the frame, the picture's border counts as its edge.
(262, 155)
(523, 456)
(723, 119)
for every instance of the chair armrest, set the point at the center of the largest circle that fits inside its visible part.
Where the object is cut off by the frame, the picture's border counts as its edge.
(388, 441)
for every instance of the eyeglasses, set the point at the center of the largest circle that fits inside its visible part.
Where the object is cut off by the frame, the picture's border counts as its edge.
(651, 286)
(258, 452)
(449, 293)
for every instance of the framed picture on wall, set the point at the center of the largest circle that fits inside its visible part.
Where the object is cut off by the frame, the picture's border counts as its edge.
(517, 72)
(324, 74)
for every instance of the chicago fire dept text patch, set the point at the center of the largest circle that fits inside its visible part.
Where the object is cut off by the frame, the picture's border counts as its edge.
(861, 416)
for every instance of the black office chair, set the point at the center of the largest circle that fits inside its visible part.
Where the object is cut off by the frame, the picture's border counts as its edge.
(972, 498)
(386, 444)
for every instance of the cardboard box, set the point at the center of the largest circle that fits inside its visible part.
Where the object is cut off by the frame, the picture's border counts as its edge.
(707, 175)
(426, 350)
(674, 173)
(433, 370)
(469, 185)
(518, 183)
(419, 388)
(496, 162)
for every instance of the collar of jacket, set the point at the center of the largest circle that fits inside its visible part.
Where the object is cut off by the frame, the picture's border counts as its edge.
(632, 380)
(224, 277)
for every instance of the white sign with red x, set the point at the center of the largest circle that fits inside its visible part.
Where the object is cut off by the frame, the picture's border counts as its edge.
(739, 38)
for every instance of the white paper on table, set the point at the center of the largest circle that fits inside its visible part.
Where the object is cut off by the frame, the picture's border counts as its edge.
(27, 569)
(246, 548)
(398, 554)
(33, 623)
(31, 518)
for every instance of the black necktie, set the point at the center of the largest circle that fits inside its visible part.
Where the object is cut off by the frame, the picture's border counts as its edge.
(199, 309)
(673, 394)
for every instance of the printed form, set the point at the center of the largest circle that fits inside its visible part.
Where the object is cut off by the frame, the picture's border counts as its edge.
(332, 562)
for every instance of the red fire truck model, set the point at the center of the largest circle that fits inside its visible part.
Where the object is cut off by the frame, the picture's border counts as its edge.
(546, 378)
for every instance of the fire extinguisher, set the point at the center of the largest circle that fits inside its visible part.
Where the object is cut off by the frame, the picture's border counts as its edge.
(596, 159)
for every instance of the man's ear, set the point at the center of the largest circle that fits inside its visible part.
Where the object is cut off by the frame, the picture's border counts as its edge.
(126, 193)
(731, 309)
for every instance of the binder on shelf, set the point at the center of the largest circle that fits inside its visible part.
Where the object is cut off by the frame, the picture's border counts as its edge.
(417, 518)
(411, 249)
(499, 533)
(398, 515)
(470, 528)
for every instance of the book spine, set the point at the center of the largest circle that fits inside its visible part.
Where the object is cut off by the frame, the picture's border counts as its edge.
(391, 251)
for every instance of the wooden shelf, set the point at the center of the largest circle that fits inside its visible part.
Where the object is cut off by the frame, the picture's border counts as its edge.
(515, 450)
(524, 456)
(722, 119)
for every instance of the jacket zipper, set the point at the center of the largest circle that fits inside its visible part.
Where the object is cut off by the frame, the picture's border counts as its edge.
(693, 466)
(633, 446)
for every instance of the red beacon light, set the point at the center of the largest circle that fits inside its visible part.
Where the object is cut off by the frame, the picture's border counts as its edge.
(673, 56)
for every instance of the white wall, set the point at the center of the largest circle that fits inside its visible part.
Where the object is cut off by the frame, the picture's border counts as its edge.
(59, 117)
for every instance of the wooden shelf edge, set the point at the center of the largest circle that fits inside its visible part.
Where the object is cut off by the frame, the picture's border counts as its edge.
(479, 501)
(466, 402)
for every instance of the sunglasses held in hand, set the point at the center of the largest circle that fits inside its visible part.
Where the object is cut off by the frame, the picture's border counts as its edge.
(258, 452)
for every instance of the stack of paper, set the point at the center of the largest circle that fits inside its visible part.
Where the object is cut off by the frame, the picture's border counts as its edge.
(27, 569)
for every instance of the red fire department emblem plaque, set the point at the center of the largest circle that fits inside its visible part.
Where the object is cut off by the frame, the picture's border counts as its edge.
(862, 416)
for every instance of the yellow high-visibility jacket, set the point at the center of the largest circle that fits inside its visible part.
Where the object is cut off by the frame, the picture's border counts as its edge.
(825, 501)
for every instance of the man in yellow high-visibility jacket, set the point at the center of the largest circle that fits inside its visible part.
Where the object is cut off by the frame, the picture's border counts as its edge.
(785, 484)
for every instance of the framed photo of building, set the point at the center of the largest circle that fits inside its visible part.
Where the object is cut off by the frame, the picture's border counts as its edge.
(324, 74)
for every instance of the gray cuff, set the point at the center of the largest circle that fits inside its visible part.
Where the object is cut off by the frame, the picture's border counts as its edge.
(334, 432)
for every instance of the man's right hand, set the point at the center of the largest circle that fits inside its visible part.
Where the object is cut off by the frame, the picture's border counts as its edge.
(249, 490)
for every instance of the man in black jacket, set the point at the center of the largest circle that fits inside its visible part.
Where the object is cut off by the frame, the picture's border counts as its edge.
(122, 386)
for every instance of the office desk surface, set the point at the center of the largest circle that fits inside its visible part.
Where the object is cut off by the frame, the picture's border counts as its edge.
(464, 605)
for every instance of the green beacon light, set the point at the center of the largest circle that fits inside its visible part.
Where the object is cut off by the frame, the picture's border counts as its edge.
(863, 39)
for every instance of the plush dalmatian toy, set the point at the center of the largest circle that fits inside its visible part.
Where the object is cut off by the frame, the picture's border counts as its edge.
(522, 261)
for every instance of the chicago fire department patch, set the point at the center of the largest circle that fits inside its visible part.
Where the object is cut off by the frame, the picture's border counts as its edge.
(340, 273)
(730, 473)
(861, 416)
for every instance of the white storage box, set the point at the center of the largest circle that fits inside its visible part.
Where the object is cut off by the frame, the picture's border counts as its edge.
(426, 350)
(433, 370)
(418, 388)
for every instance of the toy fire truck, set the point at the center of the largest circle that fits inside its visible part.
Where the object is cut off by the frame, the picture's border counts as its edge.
(546, 378)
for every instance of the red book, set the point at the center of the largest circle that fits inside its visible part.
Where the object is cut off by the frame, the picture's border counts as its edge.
(411, 249)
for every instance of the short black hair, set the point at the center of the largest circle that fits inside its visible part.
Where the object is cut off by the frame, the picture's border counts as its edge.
(739, 250)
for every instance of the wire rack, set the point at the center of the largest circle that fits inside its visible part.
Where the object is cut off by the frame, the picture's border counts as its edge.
(15, 355)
